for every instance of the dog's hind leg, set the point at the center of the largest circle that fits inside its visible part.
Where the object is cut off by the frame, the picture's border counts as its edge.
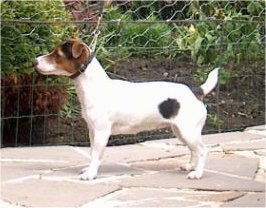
(192, 138)
(100, 140)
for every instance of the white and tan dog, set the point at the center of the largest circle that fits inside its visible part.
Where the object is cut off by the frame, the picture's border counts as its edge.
(112, 107)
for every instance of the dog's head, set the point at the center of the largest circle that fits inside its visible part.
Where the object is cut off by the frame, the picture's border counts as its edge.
(66, 59)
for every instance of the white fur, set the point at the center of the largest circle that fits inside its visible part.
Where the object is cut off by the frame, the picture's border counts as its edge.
(112, 107)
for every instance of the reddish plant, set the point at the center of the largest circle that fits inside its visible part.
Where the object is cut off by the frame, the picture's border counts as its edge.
(27, 104)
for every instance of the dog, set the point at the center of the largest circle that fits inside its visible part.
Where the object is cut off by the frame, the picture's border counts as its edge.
(112, 107)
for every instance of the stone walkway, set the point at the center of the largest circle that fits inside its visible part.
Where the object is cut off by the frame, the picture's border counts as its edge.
(140, 175)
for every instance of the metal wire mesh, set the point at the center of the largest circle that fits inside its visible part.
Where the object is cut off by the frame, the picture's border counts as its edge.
(139, 41)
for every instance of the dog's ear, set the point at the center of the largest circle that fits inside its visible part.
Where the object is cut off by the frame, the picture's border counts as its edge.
(77, 49)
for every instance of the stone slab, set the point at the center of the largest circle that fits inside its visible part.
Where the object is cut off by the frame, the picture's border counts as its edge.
(257, 128)
(210, 181)
(105, 170)
(9, 172)
(43, 193)
(159, 197)
(209, 139)
(142, 197)
(21, 162)
(138, 152)
(229, 137)
(42, 154)
(13, 170)
(145, 174)
(249, 200)
(161, 164)
(233, 164)
(227, 163)
(166, 142)
(249, 145)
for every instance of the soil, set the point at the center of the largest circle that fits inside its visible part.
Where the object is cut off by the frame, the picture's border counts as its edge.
(232, 106)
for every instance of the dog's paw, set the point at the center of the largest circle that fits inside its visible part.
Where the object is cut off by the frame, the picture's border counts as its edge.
(186, 167)
(87, 176)
(88, 173)
(195, 175)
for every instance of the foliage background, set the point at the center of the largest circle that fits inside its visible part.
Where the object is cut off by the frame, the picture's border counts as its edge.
(212, 32)
(20, 43)
(230, 34)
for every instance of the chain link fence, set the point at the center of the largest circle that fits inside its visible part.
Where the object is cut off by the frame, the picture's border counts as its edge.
(177, 41)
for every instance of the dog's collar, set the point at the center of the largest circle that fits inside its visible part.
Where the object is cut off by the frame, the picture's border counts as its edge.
(83, 67)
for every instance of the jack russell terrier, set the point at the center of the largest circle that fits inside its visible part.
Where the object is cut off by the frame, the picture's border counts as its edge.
(112, 107)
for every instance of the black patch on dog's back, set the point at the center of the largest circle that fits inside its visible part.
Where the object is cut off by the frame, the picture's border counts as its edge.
(169, 108)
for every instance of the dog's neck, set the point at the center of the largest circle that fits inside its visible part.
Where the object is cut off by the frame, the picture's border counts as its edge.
(91, 82)
(93, 73)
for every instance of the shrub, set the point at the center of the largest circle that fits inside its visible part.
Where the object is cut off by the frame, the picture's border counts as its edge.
(132, 36)
(228, 35)
(26, 103)
(22, 41)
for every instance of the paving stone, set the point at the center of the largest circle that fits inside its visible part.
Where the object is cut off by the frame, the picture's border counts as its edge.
(167, 142)
(215, 196)
(112, 169)
(105, 170)
(138, 152)
(260, 176)
(161, 164)
(249, 200)
(145, 174)
(22, 162)
(13, 170)
(210, 181)
(42, 193)
(250, 145)
(259, 130)
(229, 137)
(158, 197)
(233, 164)
(143, 197)
(42, 154)
(227, 163)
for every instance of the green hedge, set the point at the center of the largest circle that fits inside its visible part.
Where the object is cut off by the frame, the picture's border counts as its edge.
(21, 42)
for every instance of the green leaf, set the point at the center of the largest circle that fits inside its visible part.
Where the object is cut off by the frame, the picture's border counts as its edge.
(197, 44)
(254, 8)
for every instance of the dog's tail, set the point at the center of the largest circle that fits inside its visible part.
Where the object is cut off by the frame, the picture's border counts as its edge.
(209, 84)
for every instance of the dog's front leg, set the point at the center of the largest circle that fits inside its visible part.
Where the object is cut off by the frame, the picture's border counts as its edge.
(99, 142)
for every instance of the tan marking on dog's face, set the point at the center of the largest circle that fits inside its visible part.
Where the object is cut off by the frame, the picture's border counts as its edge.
(67, 58)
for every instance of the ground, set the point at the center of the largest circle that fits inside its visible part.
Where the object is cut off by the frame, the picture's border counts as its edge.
(146, 174)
